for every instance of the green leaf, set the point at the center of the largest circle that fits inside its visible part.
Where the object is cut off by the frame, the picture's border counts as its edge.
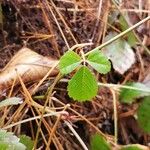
(19, 146)
(5, 146)
(130, 36)
(129, 95)
(11, 146)
(120, 53)
(83, 85)
(10, 101)
(143, 114)
(134, 147)
(8, 141)
(99, 143)
(99, 62)
(69, 61)
(26, 141)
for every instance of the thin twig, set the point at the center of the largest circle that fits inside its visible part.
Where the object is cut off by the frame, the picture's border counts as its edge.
(129, 24)
(54, 127)
(115, 115)
(76, 135)
(136, 10)
(116, 86)
(34, 118)
(49, 93)
(57, 23)
(123, 86)
(80, 46)
(119, 35)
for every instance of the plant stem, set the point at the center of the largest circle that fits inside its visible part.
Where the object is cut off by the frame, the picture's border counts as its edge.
(34, 118)
(49, 93)
(115, 116)
(122, 86)
(55, 127)
(80, 46)
(119, 35)
(76, 135)
(136, 36)
(117, 86)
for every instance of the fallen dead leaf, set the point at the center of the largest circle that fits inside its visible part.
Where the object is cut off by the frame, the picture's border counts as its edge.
(29, 65)
(120, 53)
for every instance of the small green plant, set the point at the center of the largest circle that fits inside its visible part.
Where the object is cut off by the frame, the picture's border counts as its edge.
(131, 39)
(10, 101)
(98, 142)
(129, 95)
(26, 140)
(83, 85)
(8, 141)
(143, 114)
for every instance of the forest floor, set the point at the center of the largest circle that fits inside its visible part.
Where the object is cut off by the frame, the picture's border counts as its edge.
(50, 28)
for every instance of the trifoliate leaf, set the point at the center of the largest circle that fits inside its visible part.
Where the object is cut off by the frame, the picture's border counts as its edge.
(120, 53)
(143, 114)
(68, 62)
(99, 143)
(134, 147)
(10, 101)
(99, 62)
(26, 140)
(129, 95)
(83, 85)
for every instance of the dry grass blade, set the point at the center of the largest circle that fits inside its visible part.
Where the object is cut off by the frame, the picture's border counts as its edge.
(52, 27)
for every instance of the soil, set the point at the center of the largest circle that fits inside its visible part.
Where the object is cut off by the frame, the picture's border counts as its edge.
(79, 22)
